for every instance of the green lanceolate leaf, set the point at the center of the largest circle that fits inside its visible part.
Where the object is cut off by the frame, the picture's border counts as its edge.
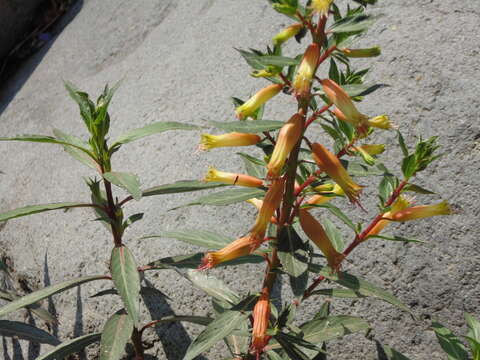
(339, 213)
(213, 287)
(354, 23)
(449, 342)
(193, 261)
(417, 189)
(253, 166)
(318, 331)
(127, 181)
(70, 347)
(292, 252)
(340, 293)
(409, 166)
(155, 128)
(403, 146)
(203, 238)
(396, 238)
(181, 187)
(35, 209)
(256, 126)
(26, 332)
(227, 197)
(115, 335)
(126, 279)
(79, 149)
(46, 292)
(392, 354)
(224, 325)
(34, 308)
(363, 287)
(473, 335)
(334, 235)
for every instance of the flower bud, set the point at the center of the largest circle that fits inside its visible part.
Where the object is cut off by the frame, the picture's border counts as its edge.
(306, 71)
(423, 211)
(261, 315)
(271, 202)
(251, 105)
(346, 109)
(381, 122)
(372, 149)
(329, 163)
(209, 141)
(214, 175)
(321, 6)
(400, 204)
(286, 34)
(238, 248)
(329, 192)
(314, 230)
(362, 53)
(287, 138)
(268, 72)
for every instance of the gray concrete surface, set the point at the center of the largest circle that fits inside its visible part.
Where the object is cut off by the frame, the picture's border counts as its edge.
(178, 63)
(15, 15)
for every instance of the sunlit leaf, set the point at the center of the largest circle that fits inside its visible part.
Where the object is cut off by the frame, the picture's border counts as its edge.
(115, 335)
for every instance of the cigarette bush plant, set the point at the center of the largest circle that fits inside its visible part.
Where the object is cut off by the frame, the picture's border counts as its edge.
(299, 185)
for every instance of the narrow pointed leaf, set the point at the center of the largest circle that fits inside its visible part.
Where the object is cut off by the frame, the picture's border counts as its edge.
(227, 197)
(151, 129)
(26, 332)
(334, 235)
(338, 213)
(340, 293)
(126, 279)
(392, 354)
(213, 287)
(203, 238)
(253, 166)
(396, 238)
(115, 335)
(221, 327)
(417, 189)
(46, 292)
(363, 287)
(70, 347)
(181, 187)
(292, 252)
(256, 126)
(35, 209)
(35, 308)
(193, 261)
(449, 342)
(127, 181)
(78, 150)
(354, 23)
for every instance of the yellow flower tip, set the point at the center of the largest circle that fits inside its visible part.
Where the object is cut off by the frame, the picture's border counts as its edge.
(318, 200)
(286, 34)
(209, 141)
(238, 248)
(263, 73)
(423, 211)
(261, 316)
(256, 202)
(346, 110)
(287, 138)
(321, 6)
(314, 230)
(251, 105)
(329, 163)
(362, 53)
(381, 122)
(306, 71)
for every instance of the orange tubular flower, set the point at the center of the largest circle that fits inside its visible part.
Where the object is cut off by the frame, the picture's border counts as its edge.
(286, 34)
(423, 211)
(271, 202)
(329, 163)
(346, 109)
(321, 6)
(214, 175)
(251, 105)
(238, 248)
(317, 234)
(209, 141)
(400, 204)
(303, 79)
(287, 138)
(258, 204)
(261, 315)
